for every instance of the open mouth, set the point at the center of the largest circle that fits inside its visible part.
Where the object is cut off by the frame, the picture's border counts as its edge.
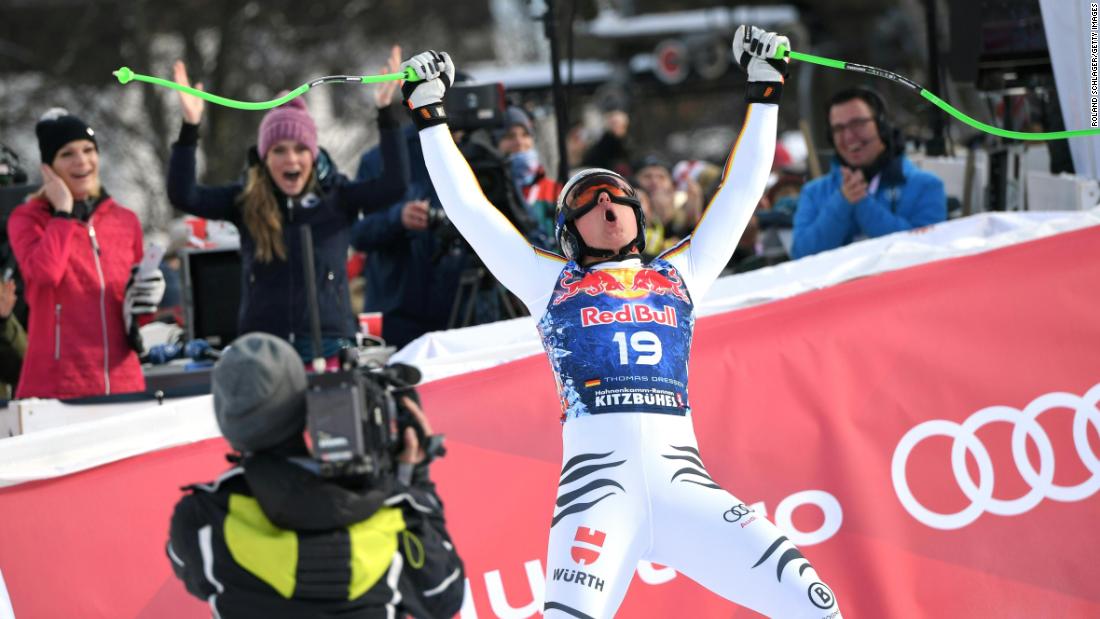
(609, 215)
(292, 177)
(82, 175)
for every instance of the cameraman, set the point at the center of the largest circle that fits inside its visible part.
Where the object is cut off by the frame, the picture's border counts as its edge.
(272, 538)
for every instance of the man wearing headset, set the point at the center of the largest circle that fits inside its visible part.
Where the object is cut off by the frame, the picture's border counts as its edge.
(618, 334)
(872, 189)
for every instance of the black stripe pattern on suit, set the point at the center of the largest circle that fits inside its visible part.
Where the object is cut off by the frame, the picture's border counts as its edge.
(694, 473)
(583, 484)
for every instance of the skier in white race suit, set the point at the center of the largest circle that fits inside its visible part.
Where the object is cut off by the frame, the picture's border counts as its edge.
(618, 333)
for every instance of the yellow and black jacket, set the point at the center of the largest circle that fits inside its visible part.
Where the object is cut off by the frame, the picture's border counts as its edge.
(271, 539)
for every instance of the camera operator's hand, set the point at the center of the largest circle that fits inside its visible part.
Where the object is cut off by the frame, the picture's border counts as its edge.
(414, 453)
(190, 105)
(436, 72)
(757, 52)
(56, 191)
(414, 215)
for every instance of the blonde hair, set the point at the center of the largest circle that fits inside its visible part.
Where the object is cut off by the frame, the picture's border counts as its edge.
(260, 212)
(261, 215)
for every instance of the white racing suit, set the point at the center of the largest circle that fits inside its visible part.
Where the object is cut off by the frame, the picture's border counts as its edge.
(618, 335)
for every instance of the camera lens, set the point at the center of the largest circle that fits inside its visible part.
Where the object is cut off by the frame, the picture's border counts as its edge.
(436, 216)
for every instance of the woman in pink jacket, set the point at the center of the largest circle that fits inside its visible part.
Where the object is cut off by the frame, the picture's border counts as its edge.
(77, 248)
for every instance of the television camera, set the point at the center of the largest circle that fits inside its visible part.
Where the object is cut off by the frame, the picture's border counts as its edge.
(356, 420)
(355, 416)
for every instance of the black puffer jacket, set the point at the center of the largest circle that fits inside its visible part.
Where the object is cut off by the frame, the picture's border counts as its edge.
(269, 539)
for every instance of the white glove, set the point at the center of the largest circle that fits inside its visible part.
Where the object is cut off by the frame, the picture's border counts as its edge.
(437, 73)
(142, 295)
(757, 53)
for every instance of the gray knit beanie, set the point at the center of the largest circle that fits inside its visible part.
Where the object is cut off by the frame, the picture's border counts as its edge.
(259, 387)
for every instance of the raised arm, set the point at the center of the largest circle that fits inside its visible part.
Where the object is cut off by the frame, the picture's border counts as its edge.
(379, 192)
(530, 273)
(376, 192)
(701, 257)
(184, 191)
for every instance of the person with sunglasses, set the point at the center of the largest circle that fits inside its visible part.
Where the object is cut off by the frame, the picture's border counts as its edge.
(618, 330)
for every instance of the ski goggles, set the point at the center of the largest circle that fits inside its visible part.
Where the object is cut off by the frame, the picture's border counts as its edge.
(584, 197)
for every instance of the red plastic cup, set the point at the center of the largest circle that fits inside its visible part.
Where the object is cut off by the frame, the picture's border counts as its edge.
(370, 323)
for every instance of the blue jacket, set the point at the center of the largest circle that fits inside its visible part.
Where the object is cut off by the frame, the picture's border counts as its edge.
(411, 277)
(909, 198)
(273, 294)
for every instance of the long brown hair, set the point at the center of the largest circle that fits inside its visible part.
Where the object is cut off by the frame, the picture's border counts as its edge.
(260, 212)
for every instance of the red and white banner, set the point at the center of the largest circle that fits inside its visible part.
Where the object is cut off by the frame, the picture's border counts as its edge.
(929, 437)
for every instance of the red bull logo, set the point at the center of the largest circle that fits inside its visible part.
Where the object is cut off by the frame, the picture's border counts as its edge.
(629, 312)
(653, 281)
(620, 283)
(593, 283)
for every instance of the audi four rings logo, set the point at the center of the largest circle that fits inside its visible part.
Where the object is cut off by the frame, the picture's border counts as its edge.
(736, 512)
(1025, 427)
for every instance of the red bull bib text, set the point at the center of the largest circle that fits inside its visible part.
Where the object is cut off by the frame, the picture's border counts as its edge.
(619, 339)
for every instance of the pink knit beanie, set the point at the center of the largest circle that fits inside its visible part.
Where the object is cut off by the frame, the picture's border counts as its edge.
(290, 121)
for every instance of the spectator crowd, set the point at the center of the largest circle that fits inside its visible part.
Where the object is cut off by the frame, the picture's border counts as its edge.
(379, 241)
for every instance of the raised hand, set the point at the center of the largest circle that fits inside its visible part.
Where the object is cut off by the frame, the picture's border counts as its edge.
(437, 74)
(190, 105)
(384, 91)
(56, 191)
(758, 54)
